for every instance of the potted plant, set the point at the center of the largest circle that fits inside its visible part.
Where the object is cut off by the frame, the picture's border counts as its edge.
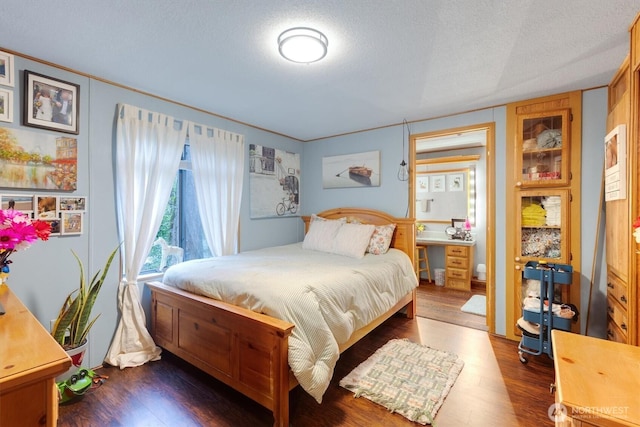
(72, 325)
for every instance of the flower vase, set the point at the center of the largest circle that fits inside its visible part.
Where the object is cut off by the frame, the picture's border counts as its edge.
(4, 272)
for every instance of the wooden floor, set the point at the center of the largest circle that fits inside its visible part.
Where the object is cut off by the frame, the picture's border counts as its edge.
(443, 304)
(493, 389)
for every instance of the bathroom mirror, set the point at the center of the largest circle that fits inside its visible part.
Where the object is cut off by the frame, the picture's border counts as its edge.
(444, 191)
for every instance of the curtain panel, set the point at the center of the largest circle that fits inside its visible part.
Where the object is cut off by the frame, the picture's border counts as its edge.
(148, 151)
(217, 161)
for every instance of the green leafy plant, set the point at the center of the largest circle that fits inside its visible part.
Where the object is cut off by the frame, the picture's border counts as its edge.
(72, 324)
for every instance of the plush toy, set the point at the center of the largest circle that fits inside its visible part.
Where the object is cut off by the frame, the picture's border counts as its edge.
(78, 384)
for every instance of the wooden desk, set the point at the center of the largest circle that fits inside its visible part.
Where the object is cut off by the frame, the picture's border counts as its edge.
(597, 381)
(458, 260)
(30, 360)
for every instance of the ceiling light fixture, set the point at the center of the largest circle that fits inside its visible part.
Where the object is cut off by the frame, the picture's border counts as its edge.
(302, 44)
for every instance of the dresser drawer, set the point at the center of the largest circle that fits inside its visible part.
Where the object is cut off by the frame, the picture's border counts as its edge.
(617, 314)
(614, 333)
(458, 251)
(617, 289)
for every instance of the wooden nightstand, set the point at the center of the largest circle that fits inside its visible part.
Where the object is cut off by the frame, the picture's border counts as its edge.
(30, 360)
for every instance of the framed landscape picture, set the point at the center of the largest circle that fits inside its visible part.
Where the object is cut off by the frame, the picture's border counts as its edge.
(50, 103)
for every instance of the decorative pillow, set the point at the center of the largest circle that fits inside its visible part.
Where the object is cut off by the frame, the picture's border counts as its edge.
(352, 240)
(321, 234)
(381, 239)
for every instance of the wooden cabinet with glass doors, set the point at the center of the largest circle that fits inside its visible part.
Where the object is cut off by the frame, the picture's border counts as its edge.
(543, 181)
(542, 149)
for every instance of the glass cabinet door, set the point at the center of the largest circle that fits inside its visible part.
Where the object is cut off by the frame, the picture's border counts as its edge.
(542, 149)
(543, 235)
(543, 226)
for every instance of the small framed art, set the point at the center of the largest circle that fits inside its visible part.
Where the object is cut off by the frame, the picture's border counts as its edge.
(46, 207)
(50, 103)
(615, 166)
(71, 223)
(6, 69)
(6, 105)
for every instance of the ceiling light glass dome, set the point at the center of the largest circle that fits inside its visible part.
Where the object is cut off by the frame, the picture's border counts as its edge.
(303, 45)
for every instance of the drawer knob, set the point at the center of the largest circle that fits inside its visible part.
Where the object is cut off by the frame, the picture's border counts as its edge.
(623, 326)
(610, 332)
(517, 267)
(610, 285)
(623, 299)
(609, 309)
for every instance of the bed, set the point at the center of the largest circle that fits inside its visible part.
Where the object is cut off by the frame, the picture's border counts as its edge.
(242, 345)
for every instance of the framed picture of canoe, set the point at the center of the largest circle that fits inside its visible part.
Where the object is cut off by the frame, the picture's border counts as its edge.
(351, 170)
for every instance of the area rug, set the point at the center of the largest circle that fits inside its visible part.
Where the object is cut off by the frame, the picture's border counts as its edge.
(408, 378)
(477, 304)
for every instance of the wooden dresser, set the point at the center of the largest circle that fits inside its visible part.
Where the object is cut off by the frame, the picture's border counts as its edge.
(597, 381)
(30, 360)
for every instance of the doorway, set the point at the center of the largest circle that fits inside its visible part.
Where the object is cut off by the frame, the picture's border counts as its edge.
(455, 144)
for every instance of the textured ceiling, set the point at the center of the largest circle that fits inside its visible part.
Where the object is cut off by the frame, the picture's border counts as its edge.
(388, 60)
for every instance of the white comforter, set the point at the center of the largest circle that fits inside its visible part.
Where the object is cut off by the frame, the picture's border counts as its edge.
(326, 296)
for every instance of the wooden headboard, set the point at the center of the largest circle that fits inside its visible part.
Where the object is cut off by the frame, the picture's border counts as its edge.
(404, 236)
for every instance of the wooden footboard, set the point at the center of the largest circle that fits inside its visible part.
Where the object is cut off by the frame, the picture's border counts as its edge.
(245, 350)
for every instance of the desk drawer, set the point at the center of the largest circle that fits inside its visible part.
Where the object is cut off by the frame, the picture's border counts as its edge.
(457, 262)
(458, 273)
(452, 283)
(459, 251)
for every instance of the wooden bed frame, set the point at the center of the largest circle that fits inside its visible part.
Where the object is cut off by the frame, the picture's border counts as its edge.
(248, 350)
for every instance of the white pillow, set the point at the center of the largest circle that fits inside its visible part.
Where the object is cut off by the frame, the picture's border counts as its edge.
(352, 240)
(321, 234)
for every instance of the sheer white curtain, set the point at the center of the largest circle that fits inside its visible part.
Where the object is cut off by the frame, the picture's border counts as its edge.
(148, 151)
(217, 161)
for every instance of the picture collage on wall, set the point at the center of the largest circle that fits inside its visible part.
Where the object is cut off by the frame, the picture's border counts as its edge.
(64, 213)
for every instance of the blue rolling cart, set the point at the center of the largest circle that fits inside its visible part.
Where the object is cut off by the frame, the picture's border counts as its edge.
(548, 275)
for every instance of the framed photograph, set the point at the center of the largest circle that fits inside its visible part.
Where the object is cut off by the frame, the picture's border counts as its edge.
(422, 183)
(78, 204)
(19, 202)
(6, 69)
(55, 226)
(71, 223)
(615, 164)
(438, 183)
(455, 182)
(50, 103)
(351, 170)
(6, 105)
(46, 207)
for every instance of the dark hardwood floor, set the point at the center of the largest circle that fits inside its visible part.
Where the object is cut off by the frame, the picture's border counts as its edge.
(443, 304)
(493, 389)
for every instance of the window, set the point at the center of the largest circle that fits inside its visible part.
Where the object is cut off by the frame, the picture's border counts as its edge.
(181, 225)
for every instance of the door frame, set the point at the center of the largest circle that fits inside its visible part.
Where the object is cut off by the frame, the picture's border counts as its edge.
(490, 129)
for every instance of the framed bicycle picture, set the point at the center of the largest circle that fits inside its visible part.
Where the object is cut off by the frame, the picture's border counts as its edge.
(50, 103)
